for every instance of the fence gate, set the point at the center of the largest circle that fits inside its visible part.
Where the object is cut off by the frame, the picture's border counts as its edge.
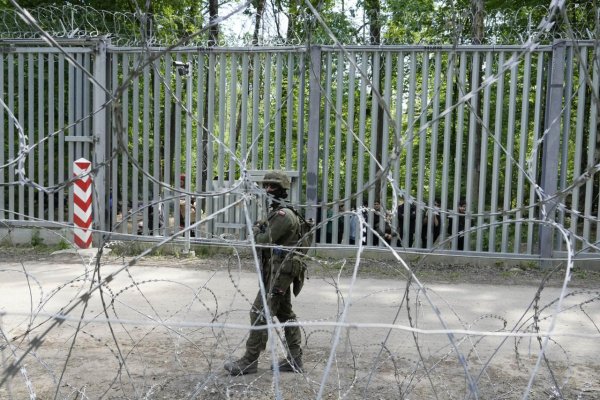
(45, 125)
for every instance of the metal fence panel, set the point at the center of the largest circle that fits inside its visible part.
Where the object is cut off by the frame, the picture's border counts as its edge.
(459, 128)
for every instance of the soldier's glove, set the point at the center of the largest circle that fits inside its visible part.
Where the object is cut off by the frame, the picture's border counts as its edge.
(259, 227)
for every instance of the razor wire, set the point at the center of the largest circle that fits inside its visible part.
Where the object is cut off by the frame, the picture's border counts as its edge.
(140, 28)
(28, 367)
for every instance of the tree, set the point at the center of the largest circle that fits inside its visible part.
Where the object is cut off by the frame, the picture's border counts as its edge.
(260, 9)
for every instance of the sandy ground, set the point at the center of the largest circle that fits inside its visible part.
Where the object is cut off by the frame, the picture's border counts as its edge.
(162, 330)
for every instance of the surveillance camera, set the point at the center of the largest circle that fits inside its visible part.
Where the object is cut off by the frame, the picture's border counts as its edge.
(183, 68)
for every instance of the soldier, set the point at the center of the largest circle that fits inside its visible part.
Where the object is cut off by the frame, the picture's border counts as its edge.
(280, 267)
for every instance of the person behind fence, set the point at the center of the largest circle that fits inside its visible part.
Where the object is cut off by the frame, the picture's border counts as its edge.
(461, 218)
(386, 231)
(280, 267)
(183, 205)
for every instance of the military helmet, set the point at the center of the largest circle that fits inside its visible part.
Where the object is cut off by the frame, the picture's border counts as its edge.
(278, 177)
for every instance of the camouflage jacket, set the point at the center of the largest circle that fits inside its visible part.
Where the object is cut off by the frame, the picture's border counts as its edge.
(280, 267)
(282, 228)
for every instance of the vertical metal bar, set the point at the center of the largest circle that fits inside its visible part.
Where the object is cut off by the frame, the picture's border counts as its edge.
(72, 97)
(3, 141)
(100, 133)
(301, 117)
(510, 146)
(589, 184)
(222, 116)
(524, 136)
(30, 133)
(387, 94)
(450, 73)
(360, 168)
(146, 148)
(244, 114)
(85, 104)
(255, 110)
(156, 194)
(243, 118)
(135, 144)
(233, 117)
(61, 136)
(459, 146)
(410, 115)
(349, 146)
(289, 114)
(114, 194)
(124, 142)
(11, 135)
(533, 162)
(232, 129)
(373, 162)
(312, 157)
(433, 158)
(398, 142)
(594, 126)
(471, 150)
(78, 108)
(77, 98)
(41, 149)
(210, 123)
(497, 146)
(483, 163)
(337, 158)
(579, 129)
(423, 124)
(266, 132)
(551, 147)
(51, 140)
(21, 118)
(324, 197)
(166, 157)
(566, 127)
(278, 105)
(210, 127)
(177, 151)
(200, 135)
(189, 104)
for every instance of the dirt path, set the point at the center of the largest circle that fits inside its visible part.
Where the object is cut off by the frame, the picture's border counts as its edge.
(162, 330)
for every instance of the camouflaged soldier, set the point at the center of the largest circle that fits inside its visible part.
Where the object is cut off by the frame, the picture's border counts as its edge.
(280, 268)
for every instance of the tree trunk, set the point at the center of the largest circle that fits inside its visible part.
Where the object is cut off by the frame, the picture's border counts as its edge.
(373, 11)
(293, 11)
(213, 32)
(260, 9)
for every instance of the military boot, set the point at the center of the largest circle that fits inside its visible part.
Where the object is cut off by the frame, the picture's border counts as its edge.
(243, 366)
(290, 364)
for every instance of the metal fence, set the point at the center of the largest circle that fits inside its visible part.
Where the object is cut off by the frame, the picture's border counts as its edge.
(483, 148)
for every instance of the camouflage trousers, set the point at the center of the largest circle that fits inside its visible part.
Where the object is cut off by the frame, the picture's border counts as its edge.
(280, 305)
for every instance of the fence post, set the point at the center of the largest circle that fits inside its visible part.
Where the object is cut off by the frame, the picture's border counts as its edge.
(82, 203)
(99, 134)
(551, 145)
(314, 117)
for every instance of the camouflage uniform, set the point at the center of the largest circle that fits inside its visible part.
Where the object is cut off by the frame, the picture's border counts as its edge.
(280, 267)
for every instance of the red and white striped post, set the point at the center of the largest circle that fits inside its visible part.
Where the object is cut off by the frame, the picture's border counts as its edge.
(82, 198)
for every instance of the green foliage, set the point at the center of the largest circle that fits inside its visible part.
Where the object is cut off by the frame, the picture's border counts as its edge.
(63, 245)
(36, 238)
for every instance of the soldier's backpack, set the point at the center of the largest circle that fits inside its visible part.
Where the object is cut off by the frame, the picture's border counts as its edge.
(307, 234)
